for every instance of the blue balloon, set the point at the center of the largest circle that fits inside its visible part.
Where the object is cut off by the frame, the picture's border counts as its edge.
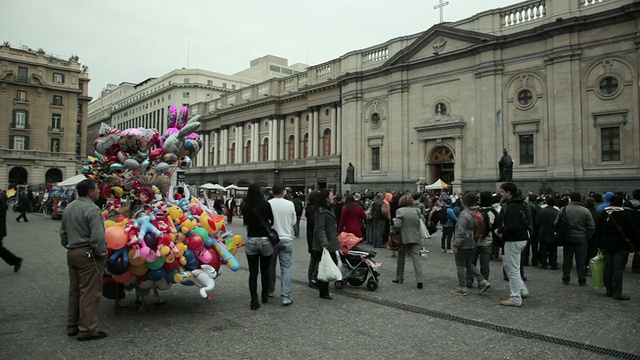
(208, 241)
(169, 276)
(155, 275)
(188, 283)
(189, 255)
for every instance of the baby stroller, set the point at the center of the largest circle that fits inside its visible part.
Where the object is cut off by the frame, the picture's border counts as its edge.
(358, 264)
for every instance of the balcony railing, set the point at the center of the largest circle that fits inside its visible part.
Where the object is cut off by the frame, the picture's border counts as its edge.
(375, 55)
(56, 129)
(524, 13)
(56, 104)
(25, 127)
(592, 2)
(24, 80)
(21, 100)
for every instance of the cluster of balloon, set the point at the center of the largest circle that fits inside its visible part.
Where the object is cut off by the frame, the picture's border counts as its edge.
(172, 241)
(127, 160)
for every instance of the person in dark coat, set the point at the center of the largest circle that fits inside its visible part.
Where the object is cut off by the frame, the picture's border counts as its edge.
(633, 206)
(548, 254)
(617, 234)
(5, 254)
(325, 235)
(23, 206)
(310, 213)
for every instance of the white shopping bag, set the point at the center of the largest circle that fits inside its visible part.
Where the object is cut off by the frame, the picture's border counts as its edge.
(327, 269)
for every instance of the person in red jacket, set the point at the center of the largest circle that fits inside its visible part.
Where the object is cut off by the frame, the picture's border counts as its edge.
(352, 217)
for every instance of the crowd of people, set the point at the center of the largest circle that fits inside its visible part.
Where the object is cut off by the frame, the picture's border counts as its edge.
(518, 230)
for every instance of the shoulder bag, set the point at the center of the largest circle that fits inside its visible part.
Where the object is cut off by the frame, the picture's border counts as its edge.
(613, 221)
(273, 236)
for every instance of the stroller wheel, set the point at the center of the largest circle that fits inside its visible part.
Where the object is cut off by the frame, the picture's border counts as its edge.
(372, 285)
(339, 284)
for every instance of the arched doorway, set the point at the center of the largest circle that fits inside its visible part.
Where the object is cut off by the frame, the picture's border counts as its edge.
(53, 175)
(18, 176)
(441, 161)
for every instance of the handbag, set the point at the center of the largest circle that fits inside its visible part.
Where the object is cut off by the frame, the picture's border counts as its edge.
(395, 241)
(596, 265)
(272, 235)
(631, 247)
(424, 233)
(327, 269)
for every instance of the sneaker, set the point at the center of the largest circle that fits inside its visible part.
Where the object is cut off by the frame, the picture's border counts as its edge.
(287, 302)
(97, 336)
(444, 251)
(449, 251)
(485, 287)
(510, 302)
(459, 292)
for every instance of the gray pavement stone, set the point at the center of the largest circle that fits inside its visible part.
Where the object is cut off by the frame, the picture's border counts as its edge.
(356, 324)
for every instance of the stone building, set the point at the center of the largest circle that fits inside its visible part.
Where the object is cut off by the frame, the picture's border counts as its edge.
(43, 115)
(554, 82)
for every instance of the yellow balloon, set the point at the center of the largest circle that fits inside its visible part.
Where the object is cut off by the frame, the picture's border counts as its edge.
(133, 260)
(139, 269)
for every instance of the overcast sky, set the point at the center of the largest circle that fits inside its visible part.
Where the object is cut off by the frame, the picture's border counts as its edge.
(136, 39)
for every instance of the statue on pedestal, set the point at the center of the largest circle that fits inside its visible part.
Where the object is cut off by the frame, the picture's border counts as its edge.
(506, 167)
(351, 177)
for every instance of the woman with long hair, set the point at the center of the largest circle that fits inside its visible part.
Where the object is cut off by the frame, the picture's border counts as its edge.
(257, 217)
(310, 213)
(407, 220)
(325, 235)
(352, 217)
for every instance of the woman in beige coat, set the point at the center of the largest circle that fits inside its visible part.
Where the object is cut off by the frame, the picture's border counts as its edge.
(408, 220)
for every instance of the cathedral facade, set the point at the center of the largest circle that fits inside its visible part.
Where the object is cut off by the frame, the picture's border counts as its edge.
(553, 83)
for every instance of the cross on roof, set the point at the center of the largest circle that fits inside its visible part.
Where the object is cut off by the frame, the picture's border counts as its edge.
(441, 7)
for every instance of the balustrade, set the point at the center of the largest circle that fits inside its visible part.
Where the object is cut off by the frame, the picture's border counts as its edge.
(263, 89)
(375, 55)
(303, 79)
(323, 70)
(591, 2)
(535, 10)
(246, 94)
(289, 84)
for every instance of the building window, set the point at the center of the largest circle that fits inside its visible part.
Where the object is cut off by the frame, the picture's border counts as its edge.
(20, 119)
(291, 147)
(19, 143)
(375, 158)
(247, 152)
(233, 87)
(232, 154)
(441, 109)
(274, 68)
(57, 100)
(305, 146)
(185, 94)
(187, 80)
(55, 145)
(21, 95)
(610, 143)
(168, 97)
(23, 74)
(526, 149)
(58, 78)
(224, 85)
(79, 108)
(375, 120)
(56, 121)
(609, 86)
(265, 150)
(210, 82)
(77, 148)
(525, 98)
(326, 143)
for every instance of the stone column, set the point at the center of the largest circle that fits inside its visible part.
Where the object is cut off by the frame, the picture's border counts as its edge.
(296, 134)
(316, 122)
(272, 137)
(199, 160)
(255, 140)
(333, 130)
(239, 145)
(216, 147)
(338, 129)
(205, 149)
(224, 146)
(310, 140)
(457, 166)
(281, 150)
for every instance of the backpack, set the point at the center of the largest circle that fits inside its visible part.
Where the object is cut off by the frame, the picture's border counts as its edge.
(487, 221)
(376, 209)
(479, 222)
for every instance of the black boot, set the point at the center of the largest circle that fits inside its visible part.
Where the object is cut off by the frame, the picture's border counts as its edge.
(618, 295)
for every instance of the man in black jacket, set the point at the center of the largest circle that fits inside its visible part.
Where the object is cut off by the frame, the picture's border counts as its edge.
(633, 206)
(23, 206)
(580, 227)
(513, 227)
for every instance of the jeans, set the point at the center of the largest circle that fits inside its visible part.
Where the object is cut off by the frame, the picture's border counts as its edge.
(483, 253)
(284, 252)
(378, 232)
(412, 250)
(465, 267)
(258, 251)
(614, 263)
(579, 250)
(548, 254)
(296, 228)
(447, 236)
(511, 265)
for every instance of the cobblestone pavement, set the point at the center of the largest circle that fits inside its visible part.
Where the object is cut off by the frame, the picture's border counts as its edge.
(398, 321)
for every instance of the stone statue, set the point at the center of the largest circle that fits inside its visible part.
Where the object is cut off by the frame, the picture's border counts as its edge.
(350, 179)
(506, 167)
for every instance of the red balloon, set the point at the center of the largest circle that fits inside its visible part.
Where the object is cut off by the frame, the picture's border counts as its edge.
(195, 241)
(215, 259)
(171, 266)
(123, 278)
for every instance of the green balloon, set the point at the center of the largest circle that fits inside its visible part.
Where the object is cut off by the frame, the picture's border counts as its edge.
(200, 231)
(156, 264)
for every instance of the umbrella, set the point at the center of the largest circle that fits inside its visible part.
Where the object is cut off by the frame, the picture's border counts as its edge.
(210, 186)
(72, 181)
(11, 192)
(438, 185)
(235, 187)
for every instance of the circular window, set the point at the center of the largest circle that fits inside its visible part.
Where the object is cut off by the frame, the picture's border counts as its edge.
(375, 120)
(525, 99)
(441, 109)
(609, 86)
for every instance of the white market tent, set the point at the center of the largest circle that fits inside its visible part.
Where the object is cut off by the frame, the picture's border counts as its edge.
(235, 187)
(72, 181)
(210, 186)
(438, 185)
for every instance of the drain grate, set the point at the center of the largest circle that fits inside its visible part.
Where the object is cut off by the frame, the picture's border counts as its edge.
(497, 328)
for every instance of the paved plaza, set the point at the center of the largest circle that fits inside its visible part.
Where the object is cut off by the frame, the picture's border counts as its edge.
(397, 321)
